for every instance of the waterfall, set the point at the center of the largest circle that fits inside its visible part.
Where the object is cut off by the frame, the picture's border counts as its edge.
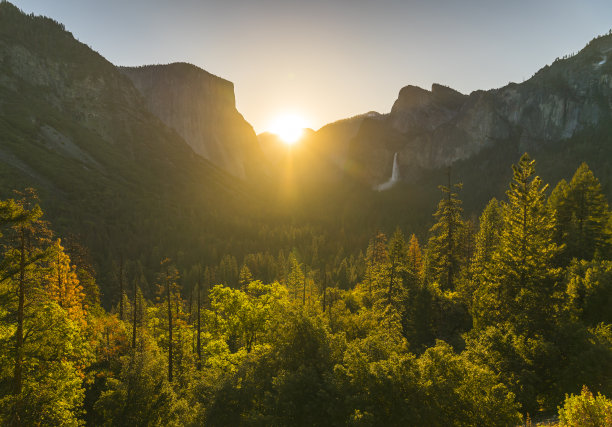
(395, 172)
(395, 176)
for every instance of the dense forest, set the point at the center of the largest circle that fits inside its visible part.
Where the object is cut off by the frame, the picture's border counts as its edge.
(496, 321)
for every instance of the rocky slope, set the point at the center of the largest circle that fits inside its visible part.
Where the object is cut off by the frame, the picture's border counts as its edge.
(201, 107)
(107, 169)
(433, 129)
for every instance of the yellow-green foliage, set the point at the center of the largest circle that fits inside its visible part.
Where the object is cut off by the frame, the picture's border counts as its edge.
(586, 410)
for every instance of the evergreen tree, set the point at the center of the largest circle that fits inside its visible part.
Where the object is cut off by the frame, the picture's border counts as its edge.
(295, 277)
(398, 258)
(377, 267)
(489, 233)
(444, 250)
(487, 243)
(582, 217)
(42, 345)
(521, 283)
(245, 277)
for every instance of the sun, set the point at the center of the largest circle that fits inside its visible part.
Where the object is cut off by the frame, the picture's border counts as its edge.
(289, 128)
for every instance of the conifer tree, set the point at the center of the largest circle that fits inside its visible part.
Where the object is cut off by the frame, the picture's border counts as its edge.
(521, 283)
(245, 277)
(295, 277)
(42, 349)
(199, 319)
(377, 265)
(398, 258)
(489, 233)
(415, 260)
(168, 286)
(444, 250)
(582, 217)
(25, 224)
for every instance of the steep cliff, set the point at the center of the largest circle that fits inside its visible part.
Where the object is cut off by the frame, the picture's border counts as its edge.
(107, 170)
(434, 129)
(201, 108)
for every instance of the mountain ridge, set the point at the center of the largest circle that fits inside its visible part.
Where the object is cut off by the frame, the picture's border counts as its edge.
(556, 103)
(201, 107)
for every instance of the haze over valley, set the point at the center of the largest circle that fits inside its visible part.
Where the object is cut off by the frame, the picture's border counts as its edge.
(439, 258)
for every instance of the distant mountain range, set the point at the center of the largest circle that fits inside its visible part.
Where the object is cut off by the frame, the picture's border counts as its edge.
(108, 170)
(436, 128)
(562, 114)
(151, 160)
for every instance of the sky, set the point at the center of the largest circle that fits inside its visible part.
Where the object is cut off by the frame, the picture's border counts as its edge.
(324, 60)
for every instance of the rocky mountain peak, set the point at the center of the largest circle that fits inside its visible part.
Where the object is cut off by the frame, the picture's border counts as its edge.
(447, 96)
(433, 129)
(411, 97)
(201, 108)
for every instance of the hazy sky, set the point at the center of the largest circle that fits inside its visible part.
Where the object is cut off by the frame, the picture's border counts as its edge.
(331, 59)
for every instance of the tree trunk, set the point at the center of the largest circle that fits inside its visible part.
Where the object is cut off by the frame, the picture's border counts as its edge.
(169, 327)
(121, 287)
(135, 311)
(199, 348)
(17, 375)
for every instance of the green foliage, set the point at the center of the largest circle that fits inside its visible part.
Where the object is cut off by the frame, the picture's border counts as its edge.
(521, 284)
(582, 217)
(586, 410)
(141, 394)
(52, 390)
(396, 349)
(445, 247)
(589, 291)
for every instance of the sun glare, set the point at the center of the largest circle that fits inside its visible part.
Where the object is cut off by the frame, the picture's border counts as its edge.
(289, 128)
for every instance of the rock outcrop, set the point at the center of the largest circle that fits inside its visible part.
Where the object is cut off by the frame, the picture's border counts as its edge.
(201, 108)
(433, 129)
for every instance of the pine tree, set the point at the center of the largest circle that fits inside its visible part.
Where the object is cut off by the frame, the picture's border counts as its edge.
(295, 277)
(415, 260)
(377, 266)
(582, 217)
(520, 284)
(26, 228)
(43, 349)
(245, 277)
(398, 259)
(489, 234)
(444, 250)
(168, 287)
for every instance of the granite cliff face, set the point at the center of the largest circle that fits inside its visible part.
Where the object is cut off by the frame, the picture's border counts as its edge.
(106, 169)
(433, 129)
(201, 108)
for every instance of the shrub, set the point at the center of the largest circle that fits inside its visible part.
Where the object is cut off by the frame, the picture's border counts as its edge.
(586, 410)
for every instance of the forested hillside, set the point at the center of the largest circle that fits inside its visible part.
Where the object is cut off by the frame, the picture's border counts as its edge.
(488, 322)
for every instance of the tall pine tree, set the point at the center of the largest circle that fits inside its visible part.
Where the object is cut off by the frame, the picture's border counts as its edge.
(520, 284)
(444, 250)
(582, 217)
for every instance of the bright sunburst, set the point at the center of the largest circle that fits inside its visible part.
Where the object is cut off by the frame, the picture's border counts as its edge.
(289, 128)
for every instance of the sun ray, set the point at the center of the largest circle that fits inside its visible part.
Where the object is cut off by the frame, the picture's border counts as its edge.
(289, 128)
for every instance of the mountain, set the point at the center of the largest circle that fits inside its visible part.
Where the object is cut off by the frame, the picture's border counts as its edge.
(433, 129)
(107, 169)
(319, 156)
(114, 153)
(201, 107)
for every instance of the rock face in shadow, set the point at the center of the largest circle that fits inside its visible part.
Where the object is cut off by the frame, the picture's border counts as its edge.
(435, 128)
(201, 108)
(107, 170)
